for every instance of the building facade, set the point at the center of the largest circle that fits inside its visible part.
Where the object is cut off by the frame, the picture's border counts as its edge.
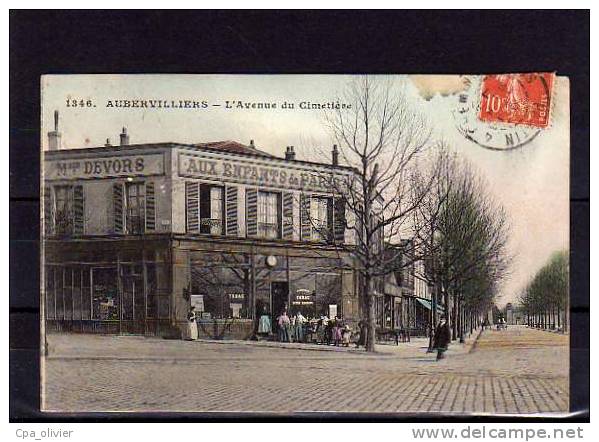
(136, 234)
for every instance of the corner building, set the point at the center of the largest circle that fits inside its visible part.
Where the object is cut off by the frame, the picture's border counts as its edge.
(136, 234)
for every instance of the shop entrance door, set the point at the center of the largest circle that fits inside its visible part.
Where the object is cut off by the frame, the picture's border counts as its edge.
(279, 297)
(133, 311)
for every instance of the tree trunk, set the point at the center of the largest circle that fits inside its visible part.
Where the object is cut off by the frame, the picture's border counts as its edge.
(371, 336)
(455, 319)
(559, 319)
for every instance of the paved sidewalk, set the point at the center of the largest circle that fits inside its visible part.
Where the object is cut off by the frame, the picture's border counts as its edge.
(518, 371)
(81, 346)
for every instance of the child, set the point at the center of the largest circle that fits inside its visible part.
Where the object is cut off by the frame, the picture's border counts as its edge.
(346, 333)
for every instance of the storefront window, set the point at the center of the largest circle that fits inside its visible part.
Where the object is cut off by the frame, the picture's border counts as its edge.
(105, 299)
(211, 209)
(269, 215)
(76, 294)
(68, 293)
(50, 296)
(59, 291)
(220, 287)
(85, 294)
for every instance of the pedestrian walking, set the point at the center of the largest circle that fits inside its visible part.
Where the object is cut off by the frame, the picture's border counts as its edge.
(442, 338)
(192, 327)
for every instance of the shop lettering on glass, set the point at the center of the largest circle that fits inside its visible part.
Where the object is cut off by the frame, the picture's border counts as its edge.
(303, 297)
(118, 166)
(250, 173)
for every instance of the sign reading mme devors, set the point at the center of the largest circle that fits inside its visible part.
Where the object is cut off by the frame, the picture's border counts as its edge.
(253, 174)
(104, 167)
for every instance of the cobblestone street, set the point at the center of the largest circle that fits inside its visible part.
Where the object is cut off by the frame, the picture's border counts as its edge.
(518, 370)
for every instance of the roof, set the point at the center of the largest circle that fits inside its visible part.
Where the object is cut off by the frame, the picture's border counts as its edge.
(235, 147)
(228, 146)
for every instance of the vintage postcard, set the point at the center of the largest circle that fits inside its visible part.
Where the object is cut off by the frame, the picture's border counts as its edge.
(305, 243)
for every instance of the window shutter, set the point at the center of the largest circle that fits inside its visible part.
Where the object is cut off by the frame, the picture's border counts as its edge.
(252, 212)
(288, 215)
(78, 210)
(150, 207)
(48, 211)
(192, 206)
(117, 199)
(231, 211)
(339, 220)
(306, 224)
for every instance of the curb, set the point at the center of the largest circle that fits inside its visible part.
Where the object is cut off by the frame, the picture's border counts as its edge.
(475, 343)
(303, 347)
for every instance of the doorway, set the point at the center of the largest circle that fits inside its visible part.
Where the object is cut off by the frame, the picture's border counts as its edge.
(279, 297)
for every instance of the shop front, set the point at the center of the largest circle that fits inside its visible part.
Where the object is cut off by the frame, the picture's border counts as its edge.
(232, 286)
(107, 287)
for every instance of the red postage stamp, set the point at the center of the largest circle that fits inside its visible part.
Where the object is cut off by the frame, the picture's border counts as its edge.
(517, 99)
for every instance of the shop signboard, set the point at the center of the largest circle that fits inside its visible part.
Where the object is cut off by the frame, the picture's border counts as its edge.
(254, 173)
(104, 167)
(197, 301)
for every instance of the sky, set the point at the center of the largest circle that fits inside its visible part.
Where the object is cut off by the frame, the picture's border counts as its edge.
(531, 182)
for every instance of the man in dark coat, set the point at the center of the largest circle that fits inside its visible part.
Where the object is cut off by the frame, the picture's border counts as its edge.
(442, 338)
(363, 327)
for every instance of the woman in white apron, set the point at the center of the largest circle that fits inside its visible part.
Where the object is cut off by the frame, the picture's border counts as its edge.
(192, 326)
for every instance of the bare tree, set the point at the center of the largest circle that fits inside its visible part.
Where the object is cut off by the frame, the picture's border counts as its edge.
(467, 241)
(381, 138)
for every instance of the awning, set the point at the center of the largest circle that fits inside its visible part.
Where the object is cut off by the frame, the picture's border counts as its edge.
(428, 305)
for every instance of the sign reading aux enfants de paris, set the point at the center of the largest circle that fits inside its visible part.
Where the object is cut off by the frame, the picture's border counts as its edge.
(105, 167)
(251, 173)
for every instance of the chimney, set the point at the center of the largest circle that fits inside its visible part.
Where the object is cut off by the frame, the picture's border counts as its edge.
(54, 137)
(252, 144)
(335, 155)
(124, 137)
(290, 153)
(107, 143)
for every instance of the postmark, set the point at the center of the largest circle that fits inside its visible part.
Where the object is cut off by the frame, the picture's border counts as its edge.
(504, 112)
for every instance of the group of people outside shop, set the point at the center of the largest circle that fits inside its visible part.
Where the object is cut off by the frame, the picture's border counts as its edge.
(298, 328)
(321, 330)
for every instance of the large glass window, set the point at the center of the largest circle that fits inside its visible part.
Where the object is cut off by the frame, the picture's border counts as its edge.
(68, 293)
(85, 294)
(269, 215)
(220, 286)
(50, 295)
(63, 210)
(136, 207)
(59, 291)
(211, 209)
(105, 297)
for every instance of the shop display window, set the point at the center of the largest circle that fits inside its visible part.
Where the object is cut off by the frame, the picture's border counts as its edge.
(105, 299)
